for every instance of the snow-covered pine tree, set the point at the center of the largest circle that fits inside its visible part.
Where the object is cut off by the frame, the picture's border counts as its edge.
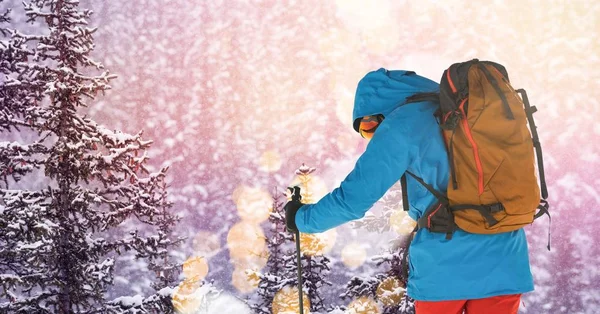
(159, 261)
(4, 19)
(315, 265)
(167, 271)
(55, 251)
(388, 286)
(275, 275)
(391, 286)
(315, 270)
(277, 286)
(391, 202)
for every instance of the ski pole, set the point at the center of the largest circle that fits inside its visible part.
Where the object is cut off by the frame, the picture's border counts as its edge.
(296, 197)
(299, 271)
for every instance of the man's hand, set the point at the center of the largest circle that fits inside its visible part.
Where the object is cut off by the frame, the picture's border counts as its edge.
(291, 208)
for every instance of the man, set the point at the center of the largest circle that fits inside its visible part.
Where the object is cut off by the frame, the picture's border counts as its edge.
(471, 273)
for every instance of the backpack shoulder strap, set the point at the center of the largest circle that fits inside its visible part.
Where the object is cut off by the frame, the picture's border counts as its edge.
(441, 197)
(405, 204)
(418, 97)
(425, 96)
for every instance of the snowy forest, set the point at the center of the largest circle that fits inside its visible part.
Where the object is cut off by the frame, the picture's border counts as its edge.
(146, 147)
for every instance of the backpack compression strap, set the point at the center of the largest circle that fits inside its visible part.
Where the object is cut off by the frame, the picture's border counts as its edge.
(485, 210)
(544, 206)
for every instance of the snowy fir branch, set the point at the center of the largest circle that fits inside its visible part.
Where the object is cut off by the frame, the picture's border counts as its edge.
(280, 272)
(360, 287)
(391, 262)
(390, 202)
(273, 278)
(4, 18)
(59, 243)
(159, 303)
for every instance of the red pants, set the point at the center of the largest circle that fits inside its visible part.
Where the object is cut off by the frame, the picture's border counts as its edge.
(504, 304)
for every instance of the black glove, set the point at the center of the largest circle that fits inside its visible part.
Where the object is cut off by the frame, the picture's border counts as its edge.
(291, 208)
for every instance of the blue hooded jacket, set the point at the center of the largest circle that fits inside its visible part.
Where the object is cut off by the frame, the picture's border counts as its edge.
(469, 266)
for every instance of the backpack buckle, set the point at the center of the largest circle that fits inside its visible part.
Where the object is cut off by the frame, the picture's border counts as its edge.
(494, 208)
(451, 120)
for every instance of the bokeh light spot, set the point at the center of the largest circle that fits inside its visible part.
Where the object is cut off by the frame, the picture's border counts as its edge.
(244, 280)
(184, 298)
(401, 222)
(313, 244)
(363, 305)
(390, 291)
(239, 190)
(195, 268)
(245, 239)
(313, 188)
(254, 260)
(344, 96)
(354, 255)
(287, 301)
(329, 237)
(270, 161)
(254, 205)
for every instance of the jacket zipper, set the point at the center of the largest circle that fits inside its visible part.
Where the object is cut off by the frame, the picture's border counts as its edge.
(469, 135)
(465, 124)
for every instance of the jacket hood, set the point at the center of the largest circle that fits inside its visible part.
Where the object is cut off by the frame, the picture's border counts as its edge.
(382, 91)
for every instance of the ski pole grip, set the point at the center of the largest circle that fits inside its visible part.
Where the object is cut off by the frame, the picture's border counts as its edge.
(295, 191)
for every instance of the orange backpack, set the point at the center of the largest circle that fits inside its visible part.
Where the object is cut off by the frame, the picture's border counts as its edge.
(493, 185)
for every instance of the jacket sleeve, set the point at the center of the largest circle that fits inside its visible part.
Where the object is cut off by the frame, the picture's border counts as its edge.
(384, 161)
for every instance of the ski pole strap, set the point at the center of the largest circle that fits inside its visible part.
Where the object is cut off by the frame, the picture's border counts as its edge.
(405, 204)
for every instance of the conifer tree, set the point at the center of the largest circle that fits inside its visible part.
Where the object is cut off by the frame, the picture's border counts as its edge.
(276, 276)
(277, 284)
(388, 286)
(315, 265)
(391, 203)
(165, 269)
(56, 248)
